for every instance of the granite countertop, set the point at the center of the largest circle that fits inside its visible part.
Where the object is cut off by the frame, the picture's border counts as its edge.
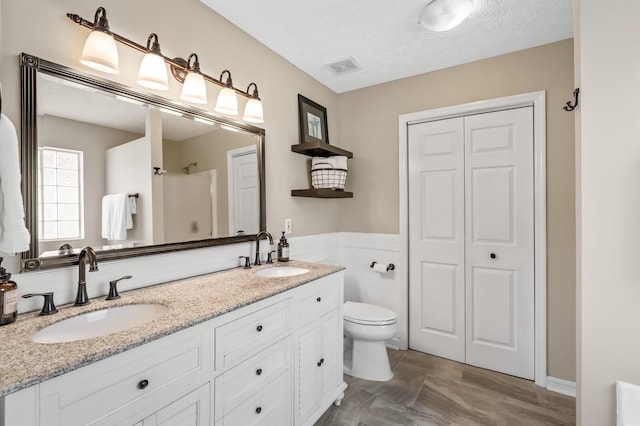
(190, 301)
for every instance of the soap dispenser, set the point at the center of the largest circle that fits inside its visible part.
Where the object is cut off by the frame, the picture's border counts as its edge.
(8, 297)
(283, 249)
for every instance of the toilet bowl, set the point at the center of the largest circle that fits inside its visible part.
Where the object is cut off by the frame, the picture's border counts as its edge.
(366, 327)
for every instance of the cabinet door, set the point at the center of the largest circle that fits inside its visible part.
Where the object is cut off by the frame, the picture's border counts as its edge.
(329, 352)
(307, 374)
(191, 409)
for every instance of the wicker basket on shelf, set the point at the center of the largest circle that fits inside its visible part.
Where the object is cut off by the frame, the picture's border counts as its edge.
(328, 177)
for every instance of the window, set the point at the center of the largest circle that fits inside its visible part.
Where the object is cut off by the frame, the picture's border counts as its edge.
(61, 213)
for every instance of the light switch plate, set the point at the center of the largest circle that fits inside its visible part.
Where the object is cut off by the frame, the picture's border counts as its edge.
(288, 226)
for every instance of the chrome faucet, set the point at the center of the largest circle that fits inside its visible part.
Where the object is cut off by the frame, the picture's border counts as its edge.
(81, 297)
(258, 235)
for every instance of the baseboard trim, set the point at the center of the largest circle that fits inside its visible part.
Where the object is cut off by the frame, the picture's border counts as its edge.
(562, 386)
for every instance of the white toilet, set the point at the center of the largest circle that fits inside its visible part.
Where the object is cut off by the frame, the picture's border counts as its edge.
(366, 327)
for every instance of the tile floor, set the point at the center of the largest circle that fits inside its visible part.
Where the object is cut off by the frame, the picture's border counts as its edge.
(427, 390)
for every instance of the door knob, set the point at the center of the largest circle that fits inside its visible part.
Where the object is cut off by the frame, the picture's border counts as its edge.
(493, 256)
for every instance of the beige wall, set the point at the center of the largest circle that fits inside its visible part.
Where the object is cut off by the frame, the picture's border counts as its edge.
(369, 128)
(184, 27)
(608, 212)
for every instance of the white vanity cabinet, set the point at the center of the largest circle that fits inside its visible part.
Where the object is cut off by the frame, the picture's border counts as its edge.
(275, 362)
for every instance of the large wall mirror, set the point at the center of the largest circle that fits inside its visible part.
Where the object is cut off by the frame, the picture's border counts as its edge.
(130, 173)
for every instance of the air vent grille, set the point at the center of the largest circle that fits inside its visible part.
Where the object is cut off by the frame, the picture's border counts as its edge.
(344, 66)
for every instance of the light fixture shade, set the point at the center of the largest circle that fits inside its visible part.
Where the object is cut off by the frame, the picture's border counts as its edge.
(443, 15)
(227, 102)
(194, 89)
(153, 72)
(253, 111)
(100, 52)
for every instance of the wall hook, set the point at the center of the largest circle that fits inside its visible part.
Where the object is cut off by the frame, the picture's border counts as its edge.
(569, 106)
(159, 171)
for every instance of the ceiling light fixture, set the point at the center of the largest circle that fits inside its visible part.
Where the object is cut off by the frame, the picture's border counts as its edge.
(227, 102)
(443, 15)
(100, 53)
(153, 71)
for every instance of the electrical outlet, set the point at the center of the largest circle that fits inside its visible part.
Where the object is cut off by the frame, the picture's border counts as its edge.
(288, 226)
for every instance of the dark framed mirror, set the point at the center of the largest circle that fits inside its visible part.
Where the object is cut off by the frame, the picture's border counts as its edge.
(130, 173)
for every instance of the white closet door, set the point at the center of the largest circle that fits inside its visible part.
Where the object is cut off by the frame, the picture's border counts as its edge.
(499, 240)
(436, 242)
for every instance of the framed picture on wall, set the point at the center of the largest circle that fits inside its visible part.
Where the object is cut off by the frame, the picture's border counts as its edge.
(313, 121)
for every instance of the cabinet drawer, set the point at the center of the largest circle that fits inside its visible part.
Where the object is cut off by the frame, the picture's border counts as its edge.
(238, 339)
(315, 301)
(269, 406)
(237, 384)
(86, 395)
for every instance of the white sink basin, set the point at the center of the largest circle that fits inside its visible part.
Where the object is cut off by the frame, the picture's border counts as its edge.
(98, 323)
(281, 271)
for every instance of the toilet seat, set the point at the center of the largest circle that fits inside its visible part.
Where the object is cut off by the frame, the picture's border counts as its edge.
(365, 314)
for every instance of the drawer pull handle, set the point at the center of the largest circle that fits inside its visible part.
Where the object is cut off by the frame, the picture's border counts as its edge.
(319, 299)
(320, 362)
(259, 328)
(258, 371)
(258, 410)
(142, 384)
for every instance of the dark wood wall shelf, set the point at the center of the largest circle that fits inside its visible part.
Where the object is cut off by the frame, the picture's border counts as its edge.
(320, 149)
(321, 193)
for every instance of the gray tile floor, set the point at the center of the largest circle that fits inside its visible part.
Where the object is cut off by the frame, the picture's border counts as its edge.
(428, 390)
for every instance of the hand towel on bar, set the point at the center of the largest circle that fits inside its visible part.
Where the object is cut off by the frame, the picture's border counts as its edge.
(116, 216)
(133, 206)
(14, 236)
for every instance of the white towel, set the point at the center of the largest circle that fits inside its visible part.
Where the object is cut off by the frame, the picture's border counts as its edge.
(116, 216)
(14, 236)
(335, 162)
(133, 205)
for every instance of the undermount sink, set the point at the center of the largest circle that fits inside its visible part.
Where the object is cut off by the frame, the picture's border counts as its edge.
(99, 323)
(281, 271)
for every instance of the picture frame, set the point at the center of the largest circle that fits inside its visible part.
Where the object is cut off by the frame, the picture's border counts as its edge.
(313, 121)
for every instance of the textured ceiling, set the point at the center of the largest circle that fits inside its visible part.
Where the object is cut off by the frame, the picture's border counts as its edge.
(384, 37)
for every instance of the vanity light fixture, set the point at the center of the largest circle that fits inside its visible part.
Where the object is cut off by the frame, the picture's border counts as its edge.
(100, 51)
(153, 71)
(102, 55)
(443, 15)
(194, 89)
(227, 102)
(253, 109)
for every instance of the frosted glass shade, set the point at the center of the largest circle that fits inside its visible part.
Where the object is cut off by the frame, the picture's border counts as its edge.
(153, 72)
(194, 89)
(253, 111)
(443, 15)
(100, 52)
(227, 102)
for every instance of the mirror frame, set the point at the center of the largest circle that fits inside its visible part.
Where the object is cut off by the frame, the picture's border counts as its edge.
(30, 66)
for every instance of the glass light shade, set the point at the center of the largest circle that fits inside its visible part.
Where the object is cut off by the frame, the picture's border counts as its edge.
(100, 52)
(194, 89)
(443, 15)
(227, 102)
(153, 72)
(253, 111)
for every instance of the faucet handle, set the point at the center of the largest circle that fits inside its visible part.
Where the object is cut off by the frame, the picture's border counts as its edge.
(270, 256)
(48, 307)
(247, 263)
(113, 288)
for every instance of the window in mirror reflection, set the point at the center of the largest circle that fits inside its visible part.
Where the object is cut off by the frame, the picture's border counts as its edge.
(60, 194)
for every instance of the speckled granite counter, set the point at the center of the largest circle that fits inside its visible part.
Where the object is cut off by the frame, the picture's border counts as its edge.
(190, 301)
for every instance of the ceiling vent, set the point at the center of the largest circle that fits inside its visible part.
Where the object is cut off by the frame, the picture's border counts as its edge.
(344, 66)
